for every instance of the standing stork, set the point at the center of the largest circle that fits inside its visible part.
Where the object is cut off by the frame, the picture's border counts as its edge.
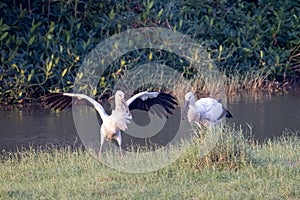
(120, 116)
(205, 110)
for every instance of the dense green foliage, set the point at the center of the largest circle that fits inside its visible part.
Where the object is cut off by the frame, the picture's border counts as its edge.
(43, 43)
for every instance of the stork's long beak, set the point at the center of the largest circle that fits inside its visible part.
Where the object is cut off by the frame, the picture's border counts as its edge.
(110, 98)
(123, 102)
(185, 108)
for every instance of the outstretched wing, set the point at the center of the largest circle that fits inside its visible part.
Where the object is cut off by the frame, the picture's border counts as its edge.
(146, 100)
(59, 101)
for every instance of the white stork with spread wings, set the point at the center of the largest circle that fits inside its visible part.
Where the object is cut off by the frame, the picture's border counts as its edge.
(205, 110)
(120, 116)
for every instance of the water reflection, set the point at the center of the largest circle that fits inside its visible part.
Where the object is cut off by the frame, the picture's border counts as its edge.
(268, 116)
(38, 128)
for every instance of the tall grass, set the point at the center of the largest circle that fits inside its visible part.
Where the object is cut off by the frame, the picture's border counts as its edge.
(253, 82)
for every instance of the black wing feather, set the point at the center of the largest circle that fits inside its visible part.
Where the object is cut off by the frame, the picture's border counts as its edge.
(58, 101)
(167, 101)
(64, 102)
(228, 114)
(166, 104)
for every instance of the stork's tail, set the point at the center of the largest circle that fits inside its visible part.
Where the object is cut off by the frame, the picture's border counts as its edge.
(228, 114)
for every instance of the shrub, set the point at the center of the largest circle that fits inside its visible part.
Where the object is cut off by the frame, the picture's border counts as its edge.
(43, 43)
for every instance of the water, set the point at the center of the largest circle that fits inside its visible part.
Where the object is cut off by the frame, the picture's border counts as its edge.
(38, 128)
(268, 116)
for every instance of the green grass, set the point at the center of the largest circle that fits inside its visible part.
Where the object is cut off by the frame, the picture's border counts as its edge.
(233, 169)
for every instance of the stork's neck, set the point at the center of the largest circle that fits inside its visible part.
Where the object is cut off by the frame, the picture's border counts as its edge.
(119, 105)
(192, 101)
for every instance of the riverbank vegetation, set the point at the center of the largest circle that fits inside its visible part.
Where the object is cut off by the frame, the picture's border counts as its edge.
(254, 45)
(235, 168)
(43, 43)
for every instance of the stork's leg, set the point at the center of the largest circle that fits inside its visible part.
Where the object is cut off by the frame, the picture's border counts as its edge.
(102, 138)
(99, 153)
(121, 154)
(118, 137)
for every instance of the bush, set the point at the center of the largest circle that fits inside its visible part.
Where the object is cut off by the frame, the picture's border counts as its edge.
(44, 42)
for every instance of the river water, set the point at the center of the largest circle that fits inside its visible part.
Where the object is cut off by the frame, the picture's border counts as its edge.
(267, 115)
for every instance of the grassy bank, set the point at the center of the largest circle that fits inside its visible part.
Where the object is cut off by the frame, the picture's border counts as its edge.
(234, 169)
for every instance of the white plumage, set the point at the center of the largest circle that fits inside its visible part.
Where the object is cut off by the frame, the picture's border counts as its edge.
(113, 124)
(207, 111)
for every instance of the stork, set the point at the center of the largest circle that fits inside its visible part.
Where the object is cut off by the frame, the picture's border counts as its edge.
(207, 111)
(113, 124)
